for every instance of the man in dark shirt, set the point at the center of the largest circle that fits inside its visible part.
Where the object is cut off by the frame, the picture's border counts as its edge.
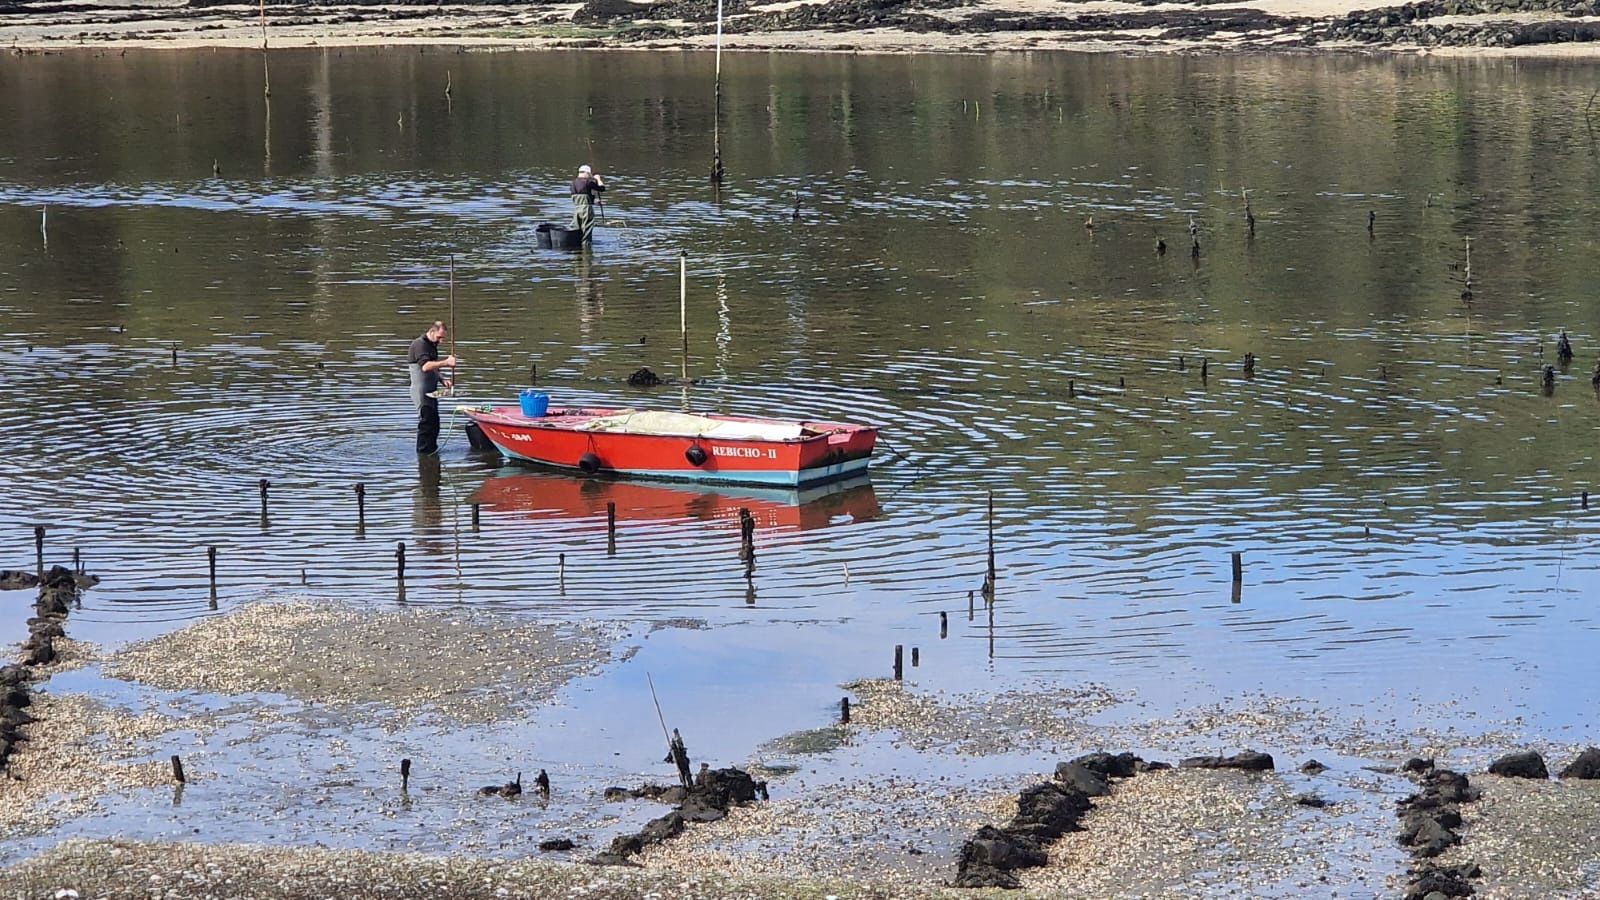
(586, 189)
(424, 363)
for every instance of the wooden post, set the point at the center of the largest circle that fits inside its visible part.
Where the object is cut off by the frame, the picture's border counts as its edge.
(944, 626)
(77, 558)
(361, 505)
(177, 770)
(989, 584)
(38, 549)
(266, 76)
(1205, 370)
(970, 606)
(916, 657)
(844, 711)
(1585, 499)
(611, 526)
(405, 774)
(899, 665)
(1238, 567)
(211, 564)
(400, 561)
(263, 485)
(474, 516)
(174, 354)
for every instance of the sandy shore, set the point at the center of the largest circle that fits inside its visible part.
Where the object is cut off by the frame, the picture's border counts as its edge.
(1479, 27)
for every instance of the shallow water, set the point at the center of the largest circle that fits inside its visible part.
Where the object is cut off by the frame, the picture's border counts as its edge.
(1404, 494)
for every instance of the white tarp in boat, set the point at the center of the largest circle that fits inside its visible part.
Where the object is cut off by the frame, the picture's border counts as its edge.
(690, 425)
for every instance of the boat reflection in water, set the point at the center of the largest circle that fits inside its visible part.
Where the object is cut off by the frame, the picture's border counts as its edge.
(543, 495)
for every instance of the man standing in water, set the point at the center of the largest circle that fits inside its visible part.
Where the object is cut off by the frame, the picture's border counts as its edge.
(586, 189)
(425, 364)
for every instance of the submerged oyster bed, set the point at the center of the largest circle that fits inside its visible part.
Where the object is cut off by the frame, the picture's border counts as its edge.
(465, 665)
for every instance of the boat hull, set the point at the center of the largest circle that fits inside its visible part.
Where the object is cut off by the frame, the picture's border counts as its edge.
(825, 451)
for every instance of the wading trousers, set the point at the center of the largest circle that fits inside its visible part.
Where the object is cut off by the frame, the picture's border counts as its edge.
(583, 215)
(428, 426)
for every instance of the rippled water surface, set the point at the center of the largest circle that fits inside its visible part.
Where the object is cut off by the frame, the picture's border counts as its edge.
(1404, 493)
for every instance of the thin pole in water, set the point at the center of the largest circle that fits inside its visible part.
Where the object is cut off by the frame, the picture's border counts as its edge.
(683, 308)
(659, 716)
(989, 583)
(716, 109)
(266, 76)
(453, 374)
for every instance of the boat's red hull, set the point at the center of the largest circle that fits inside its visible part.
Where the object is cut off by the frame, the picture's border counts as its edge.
(823, 451)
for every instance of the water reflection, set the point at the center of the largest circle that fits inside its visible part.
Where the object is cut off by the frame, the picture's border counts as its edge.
(548, 495)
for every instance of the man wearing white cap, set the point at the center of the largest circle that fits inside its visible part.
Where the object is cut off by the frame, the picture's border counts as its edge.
(586, 189)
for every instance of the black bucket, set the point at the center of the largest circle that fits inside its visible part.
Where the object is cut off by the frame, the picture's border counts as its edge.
(566, 238)
(542, 234)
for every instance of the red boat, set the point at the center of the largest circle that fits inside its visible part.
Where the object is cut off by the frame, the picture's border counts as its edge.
(680, 446)
(541, 495)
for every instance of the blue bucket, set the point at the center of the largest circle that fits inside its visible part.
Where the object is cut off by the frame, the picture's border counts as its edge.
(535, 403)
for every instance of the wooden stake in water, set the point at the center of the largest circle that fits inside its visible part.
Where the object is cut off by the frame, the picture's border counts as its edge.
(989, 583)
(716, 108)
(266, 75)
(361, 507)
(1238, 567)
(611, 526)
(177, 770)
(405, 774)
(38, 550)
(899, 662)
(400, 561)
